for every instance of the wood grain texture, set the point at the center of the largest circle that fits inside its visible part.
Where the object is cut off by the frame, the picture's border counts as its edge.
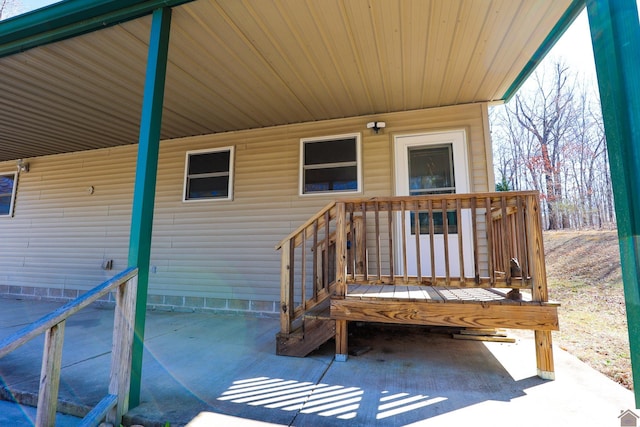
(286, 297)
(342, 337)
(341, 250)
(122, 346)
(544, 354)
(535, 250)
(50, 376)
(475, 315)
(100, 411)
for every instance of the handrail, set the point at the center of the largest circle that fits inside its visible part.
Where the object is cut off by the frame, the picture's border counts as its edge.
(52, 325)
(26, 334)
(298, 230)
(452, 196)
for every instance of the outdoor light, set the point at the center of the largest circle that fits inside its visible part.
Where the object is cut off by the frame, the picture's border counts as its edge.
(22, 166)
(376, 126)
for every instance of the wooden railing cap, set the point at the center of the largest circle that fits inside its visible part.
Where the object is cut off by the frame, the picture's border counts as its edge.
(305, 225)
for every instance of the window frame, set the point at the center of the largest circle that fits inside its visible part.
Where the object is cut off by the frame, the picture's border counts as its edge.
(302, 167)
(12, 203)
(188, 154)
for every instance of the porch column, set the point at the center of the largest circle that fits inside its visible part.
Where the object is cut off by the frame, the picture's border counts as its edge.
(145, 184)
(342, 334)
(615, 35)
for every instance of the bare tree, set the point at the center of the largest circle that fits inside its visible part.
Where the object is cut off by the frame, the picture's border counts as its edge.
(9, 8)
(551, 138)
(546, 115)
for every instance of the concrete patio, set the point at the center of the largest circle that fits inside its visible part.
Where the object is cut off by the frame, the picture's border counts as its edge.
(203, 369)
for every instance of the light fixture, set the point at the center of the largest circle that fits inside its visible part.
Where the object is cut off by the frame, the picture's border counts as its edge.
(22, 165)
(376, 126)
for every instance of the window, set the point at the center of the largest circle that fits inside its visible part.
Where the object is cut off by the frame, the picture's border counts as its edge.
(209, 175)
(7, 193)
(330, 164)
(431, 172)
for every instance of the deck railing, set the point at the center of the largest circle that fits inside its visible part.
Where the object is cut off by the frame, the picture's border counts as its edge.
(491, 240)
(115, 404)
(307, 269)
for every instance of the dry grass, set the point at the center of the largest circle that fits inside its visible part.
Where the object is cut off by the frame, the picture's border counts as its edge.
(583, 269)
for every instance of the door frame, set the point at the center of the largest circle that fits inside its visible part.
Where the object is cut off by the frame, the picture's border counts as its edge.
(462, 173)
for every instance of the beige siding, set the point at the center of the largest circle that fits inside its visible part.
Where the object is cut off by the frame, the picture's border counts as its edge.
(61, 234)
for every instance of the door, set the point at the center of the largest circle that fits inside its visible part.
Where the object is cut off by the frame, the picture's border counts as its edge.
(431, 164)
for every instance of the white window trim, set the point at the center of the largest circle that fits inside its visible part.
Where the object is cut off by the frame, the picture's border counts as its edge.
(13, 194)
(358, 162)
(231, 150)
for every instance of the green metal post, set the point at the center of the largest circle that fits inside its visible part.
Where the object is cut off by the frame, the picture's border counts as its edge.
(145, 185)
(615, 34)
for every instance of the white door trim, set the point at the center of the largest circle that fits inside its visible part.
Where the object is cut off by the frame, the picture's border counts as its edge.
(457, 139)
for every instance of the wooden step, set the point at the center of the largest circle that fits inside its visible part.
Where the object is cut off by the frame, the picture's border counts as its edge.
(317, 328)
(322, 312)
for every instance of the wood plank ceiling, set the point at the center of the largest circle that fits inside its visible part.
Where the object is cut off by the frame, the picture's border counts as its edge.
(243, 64)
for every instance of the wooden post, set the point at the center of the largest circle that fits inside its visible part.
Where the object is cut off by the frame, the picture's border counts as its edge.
(535, 252)
(392, 272)
(303, 282)
(506, 264)
(325, 251)
(50, 376)
(342, 352)
(416, 230)
(351, 261)
(363, 235)
(522, 239)
(445, 236)
(403, 234)
(490, 251)
(432, 246)
(341, 280)
(121, 353)
(361, 250)
(474, 225)
(460, 242)
(286, 294)
(317, 284)
(378, 247)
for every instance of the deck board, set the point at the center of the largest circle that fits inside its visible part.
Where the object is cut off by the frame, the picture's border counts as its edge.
(426, 293)
(384, 291)
(416, 293)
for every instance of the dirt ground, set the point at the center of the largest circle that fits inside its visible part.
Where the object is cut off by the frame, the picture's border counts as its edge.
(583, 270)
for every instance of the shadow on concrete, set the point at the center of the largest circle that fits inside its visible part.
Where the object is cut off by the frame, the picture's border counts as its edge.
(201, 369)
(405, 375)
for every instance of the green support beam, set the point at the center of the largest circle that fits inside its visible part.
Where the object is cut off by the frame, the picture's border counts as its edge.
(615, 34)
(558, 30)
(71, 18)
(145, 184)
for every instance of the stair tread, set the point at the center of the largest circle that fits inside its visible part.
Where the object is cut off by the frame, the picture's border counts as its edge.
(302, 341)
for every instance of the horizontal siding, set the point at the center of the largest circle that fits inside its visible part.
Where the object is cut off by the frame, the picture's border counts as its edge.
(62, 231)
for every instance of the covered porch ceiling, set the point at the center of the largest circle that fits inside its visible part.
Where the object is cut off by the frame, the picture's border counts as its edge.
(245, 64)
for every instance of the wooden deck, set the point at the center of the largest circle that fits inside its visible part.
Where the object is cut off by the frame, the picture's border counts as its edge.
(355, 254)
